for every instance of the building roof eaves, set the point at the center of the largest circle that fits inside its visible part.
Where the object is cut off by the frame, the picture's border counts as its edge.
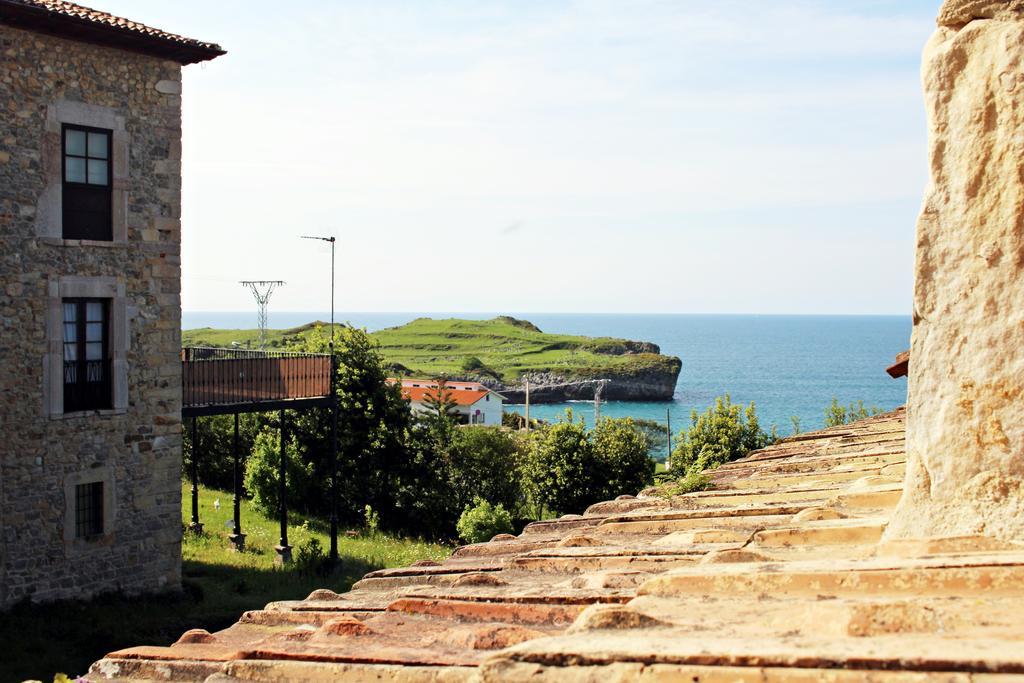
(76, 22)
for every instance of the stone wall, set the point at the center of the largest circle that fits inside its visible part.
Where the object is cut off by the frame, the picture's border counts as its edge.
(965, 427)
(134, 448)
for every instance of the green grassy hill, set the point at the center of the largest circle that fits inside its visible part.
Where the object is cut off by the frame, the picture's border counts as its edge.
(507, 348)
(504, 348)
(278, 340)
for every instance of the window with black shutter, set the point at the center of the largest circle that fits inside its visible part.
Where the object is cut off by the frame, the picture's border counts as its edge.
(89, 510)
(87, 183)
(87, 383)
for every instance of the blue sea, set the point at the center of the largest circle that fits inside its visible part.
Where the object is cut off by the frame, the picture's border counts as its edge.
(788, 365)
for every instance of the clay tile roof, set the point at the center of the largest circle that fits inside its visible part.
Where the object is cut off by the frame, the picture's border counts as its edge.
(462, 397)
(780, 572)
(68, 20)
(463, 393)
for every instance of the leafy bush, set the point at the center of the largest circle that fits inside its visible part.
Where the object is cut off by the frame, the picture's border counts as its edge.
(371, 521)
(512, 420)
(473, 365)
(262, 474)
(621, 449)
(566, 469)
(310, 559)
(657, 435)
(836, 415)
(724, 432)
(423, 492)
(608, 347)
(691, 482)
(483, 521)
(485, 463)
(560, 467)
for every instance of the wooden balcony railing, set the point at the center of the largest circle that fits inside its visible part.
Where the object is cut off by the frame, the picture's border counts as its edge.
(240, 378)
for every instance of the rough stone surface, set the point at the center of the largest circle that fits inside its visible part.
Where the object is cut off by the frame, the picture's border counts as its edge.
(136, 450)
(716, 586)
(965, 435)
(957, 13)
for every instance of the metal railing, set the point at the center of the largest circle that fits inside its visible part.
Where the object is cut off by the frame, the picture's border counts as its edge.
(216, 376)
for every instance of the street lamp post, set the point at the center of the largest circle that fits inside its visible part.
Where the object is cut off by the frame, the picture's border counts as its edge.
(334, 416)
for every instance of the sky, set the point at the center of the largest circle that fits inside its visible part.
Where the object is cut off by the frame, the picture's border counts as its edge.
(737, 156)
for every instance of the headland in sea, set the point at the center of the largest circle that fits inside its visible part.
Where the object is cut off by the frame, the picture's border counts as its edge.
(789, 365)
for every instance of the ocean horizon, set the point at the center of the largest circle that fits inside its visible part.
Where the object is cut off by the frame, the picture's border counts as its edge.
(788, 365)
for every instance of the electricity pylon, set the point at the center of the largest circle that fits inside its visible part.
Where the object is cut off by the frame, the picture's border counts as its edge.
(262, 289)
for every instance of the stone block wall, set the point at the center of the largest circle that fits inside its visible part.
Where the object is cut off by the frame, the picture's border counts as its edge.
(135, 447)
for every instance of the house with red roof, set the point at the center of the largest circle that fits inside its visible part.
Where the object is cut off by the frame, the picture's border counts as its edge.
(475, 404)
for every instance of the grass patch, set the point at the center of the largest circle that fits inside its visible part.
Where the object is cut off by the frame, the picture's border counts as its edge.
(220, 584)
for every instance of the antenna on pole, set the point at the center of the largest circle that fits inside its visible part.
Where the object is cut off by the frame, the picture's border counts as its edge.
(262, 289)
(598, 390)
(330, 240)
(668, 423)
(527, 404)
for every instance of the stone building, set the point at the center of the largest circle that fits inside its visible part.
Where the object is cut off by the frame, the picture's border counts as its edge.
(90, 366)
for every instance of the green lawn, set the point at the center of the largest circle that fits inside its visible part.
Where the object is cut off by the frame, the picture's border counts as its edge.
(41, 640)
(506, 346)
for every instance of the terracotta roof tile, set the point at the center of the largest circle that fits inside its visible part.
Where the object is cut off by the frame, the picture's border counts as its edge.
(69, 20)
(901, 367)
(776, 574)
(462, 397)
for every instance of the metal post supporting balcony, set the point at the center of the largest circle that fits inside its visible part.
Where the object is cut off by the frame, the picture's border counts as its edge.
(283, 550)
(195, 526)
(236, 537)
(334, 462)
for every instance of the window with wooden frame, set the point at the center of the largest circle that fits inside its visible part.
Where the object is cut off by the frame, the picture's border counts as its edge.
(87, 183)
(87, 384)
(89, 510)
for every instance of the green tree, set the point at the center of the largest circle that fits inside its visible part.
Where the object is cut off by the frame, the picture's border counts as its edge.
(373, 422)
(724, 432)
(560, 470)
(424, 493)
(485, 464)
(657, 435)
(439, 402)
(621, 449)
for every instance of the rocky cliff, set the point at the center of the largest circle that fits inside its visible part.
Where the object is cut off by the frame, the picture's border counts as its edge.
(652, 381)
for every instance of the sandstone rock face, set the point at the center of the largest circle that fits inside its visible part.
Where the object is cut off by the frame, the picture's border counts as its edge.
(965, 431)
